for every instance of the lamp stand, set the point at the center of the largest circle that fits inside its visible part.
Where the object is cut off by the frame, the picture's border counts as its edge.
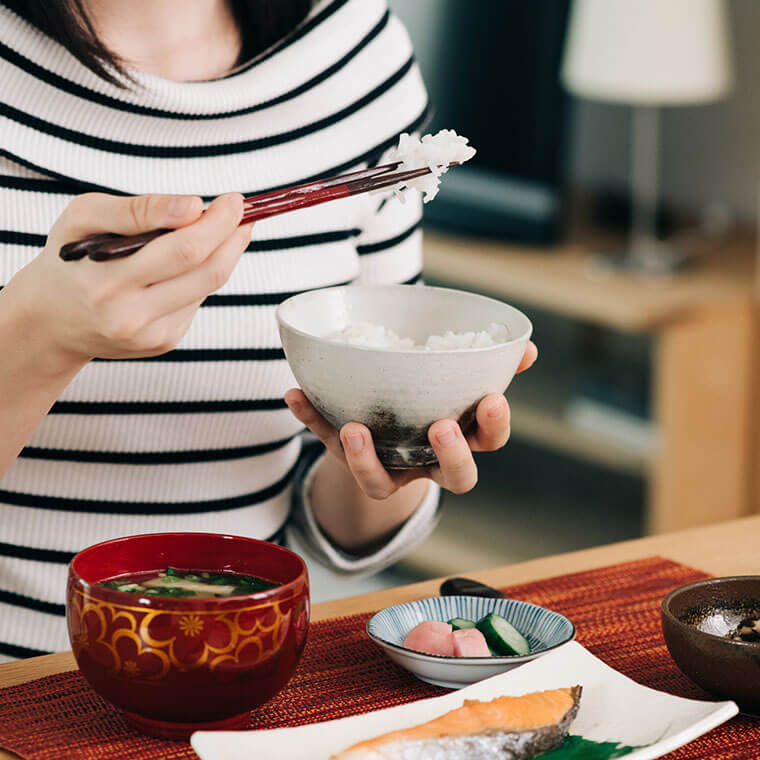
(645, 253)
(644, 169)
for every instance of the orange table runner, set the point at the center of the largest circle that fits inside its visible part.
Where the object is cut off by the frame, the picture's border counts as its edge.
(615, 609)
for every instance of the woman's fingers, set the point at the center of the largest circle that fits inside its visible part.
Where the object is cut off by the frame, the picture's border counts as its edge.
(458, 472)
(185, 250)
(491, 424)
(362, 460)
(529, 357)
(98, 212)
(165, 333)
(492, 417)
(353, 446)
(172, 295)
(309, 416)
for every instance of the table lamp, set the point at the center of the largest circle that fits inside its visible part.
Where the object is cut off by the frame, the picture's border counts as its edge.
(647, 53)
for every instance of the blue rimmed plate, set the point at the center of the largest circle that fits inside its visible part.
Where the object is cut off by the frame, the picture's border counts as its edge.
(544, 629)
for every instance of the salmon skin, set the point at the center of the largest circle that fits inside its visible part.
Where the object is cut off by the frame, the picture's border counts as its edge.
(506, 728)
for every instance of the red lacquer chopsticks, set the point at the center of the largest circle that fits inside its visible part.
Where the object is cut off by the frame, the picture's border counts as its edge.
(104, 247)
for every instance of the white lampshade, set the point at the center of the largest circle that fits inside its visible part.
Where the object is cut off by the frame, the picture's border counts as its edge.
(649, 52)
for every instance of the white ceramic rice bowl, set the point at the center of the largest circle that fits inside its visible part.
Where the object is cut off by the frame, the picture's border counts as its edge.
(398, 394)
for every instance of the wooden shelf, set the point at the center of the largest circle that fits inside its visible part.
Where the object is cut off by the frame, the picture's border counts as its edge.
(539, 415)
(560, 279)
(535, 425)
(705, 359)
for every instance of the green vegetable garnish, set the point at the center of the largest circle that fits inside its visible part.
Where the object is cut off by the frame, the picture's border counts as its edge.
(578, 748)
(172, 582)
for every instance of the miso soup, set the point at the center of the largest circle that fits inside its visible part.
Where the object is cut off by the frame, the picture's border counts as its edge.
(189, 583)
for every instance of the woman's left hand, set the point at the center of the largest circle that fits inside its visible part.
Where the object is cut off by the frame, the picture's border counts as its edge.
(456, 469)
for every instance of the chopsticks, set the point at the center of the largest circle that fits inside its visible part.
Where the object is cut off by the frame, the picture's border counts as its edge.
(104, 247)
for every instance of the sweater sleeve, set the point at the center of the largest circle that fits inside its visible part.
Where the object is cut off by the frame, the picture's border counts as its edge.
(303, 526)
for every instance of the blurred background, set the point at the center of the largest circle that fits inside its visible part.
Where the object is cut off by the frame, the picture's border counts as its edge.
(614, 199)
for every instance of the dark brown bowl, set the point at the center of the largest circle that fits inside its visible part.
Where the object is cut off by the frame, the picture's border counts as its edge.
(696, 620)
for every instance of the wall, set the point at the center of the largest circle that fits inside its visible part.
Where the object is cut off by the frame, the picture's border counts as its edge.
(420, 17)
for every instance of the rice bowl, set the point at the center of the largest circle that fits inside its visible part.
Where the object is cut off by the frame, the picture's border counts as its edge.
(398, 392)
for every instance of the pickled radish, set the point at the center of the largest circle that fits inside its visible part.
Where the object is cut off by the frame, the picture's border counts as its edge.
(431, 637)
(470, 642)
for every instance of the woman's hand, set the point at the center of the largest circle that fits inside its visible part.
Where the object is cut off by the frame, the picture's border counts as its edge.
(137, 306)
(456, 469)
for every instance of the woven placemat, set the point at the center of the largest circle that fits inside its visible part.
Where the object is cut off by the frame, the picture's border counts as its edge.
(615, 609)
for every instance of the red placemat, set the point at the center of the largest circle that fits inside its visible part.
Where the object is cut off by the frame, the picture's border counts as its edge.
(615, 609)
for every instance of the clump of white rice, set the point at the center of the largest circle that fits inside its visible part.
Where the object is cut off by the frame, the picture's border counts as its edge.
(378, 336)
(434, 151)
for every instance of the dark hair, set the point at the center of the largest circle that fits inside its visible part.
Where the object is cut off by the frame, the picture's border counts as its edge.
(261, 23)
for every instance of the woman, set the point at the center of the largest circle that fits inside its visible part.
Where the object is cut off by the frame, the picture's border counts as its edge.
(146, 394)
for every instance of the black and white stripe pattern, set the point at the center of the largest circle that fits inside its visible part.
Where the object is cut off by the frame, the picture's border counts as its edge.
(199, 438)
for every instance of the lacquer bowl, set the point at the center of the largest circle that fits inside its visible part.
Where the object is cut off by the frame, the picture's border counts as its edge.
(176, 665)
(398, 394)
(695, 622)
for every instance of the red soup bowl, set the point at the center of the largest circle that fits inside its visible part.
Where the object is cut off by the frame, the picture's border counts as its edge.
(177, 665)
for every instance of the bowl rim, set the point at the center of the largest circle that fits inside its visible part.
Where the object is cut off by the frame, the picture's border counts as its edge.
(524, 336)
(265, 595)
(668, 614)
(451, 659)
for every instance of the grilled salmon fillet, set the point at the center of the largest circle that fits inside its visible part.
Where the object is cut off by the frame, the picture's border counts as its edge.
(506, 728)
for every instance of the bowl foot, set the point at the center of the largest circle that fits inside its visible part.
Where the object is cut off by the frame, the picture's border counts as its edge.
(405, 457)
(164, 729)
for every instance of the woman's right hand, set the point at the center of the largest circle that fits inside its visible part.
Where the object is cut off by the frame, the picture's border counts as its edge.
(136, 306)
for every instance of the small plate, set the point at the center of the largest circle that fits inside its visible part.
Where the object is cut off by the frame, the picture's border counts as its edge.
(613, 708)
(544, 630)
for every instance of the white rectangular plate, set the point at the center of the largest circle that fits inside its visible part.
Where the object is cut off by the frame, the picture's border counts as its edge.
(613, 708)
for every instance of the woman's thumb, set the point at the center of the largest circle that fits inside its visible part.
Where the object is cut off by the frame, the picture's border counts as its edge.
(98, 212)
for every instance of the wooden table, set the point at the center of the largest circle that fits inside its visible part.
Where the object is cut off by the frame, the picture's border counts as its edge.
(724, 549)
(704, 327)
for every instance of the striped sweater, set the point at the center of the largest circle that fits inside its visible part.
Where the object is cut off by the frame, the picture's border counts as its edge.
(198, 438)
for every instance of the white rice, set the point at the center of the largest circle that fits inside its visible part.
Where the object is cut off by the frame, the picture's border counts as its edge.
(377, 336)
(434, 151)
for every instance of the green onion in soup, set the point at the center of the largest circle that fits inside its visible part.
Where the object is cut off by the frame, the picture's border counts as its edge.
(189, 583)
